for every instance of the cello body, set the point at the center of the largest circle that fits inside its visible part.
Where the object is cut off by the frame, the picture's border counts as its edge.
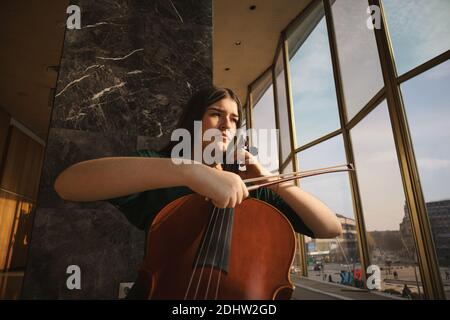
(197, 251)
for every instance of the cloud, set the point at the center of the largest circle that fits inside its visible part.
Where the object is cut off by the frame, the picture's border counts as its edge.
(418, 29)
(433, 164)
(357, 52)
(311, 69)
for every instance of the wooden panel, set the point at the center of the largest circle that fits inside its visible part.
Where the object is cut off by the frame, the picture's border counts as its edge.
(8, 210)
(29, 183)
(22, 165)
(15, 161)
(4, 126)
(17, 256)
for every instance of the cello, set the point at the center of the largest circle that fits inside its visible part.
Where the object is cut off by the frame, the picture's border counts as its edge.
(198, 251)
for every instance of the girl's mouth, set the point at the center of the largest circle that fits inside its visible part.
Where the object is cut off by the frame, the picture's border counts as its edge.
(225, 135)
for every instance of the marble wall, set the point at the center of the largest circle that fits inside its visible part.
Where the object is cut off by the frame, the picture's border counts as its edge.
(123, 80)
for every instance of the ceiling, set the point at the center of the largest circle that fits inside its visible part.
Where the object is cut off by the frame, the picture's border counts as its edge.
(32, 32)
(31, 35)
(258, 31)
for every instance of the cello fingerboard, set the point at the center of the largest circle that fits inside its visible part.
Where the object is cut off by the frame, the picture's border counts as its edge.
(214, 249)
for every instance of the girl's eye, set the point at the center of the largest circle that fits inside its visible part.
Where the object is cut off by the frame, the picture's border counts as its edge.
(217, 114)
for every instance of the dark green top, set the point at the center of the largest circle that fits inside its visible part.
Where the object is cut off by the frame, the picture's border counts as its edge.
(141, 208)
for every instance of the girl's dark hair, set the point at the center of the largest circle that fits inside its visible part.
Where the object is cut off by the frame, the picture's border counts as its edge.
(196, 108)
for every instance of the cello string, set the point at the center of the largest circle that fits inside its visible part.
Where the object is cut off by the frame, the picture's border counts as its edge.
(215, 253)
(221, 260)
(199, 254)
(207, 251)
(206, 254)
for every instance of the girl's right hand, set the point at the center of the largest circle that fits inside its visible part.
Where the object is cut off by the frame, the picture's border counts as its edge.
(224, 189)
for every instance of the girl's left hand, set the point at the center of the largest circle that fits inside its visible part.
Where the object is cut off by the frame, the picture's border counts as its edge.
(253, 168)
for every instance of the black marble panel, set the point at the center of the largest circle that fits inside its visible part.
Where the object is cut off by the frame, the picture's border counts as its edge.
(123, 80)
(66, 147)
(132, 65)
(100, 242)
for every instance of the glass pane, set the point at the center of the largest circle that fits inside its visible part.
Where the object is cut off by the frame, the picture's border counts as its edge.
(281, 95)
(288, 168)
(357, 53)
(264, 118)
(332, 260)
(419, 30)
(328, 153)
(426, 98)
(383, 202)
(313, 91)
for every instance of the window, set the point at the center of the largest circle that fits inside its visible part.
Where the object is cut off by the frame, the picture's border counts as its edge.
(282, 101)
(313, 89)
(337, 259)
(386, 217)
(264, 118)
(426, 98)
(288, 168)
(419, 30)
(357, 53)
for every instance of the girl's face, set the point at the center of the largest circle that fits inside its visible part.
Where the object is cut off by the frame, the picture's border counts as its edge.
(222, 115)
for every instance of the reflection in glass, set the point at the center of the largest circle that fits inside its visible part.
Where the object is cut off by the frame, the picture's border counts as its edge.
(357, 53)
(419, 30)
(383, 201)
(264, 118)
(281, 94)
(332, 260)
(313, 90)
(426, 98)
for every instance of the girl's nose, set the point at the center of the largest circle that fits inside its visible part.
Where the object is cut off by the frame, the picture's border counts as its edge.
(225, 124)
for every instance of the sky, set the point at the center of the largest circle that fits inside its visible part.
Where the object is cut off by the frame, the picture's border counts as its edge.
(419, 31)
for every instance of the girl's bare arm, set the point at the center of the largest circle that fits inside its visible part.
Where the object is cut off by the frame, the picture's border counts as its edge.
(112, 177)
